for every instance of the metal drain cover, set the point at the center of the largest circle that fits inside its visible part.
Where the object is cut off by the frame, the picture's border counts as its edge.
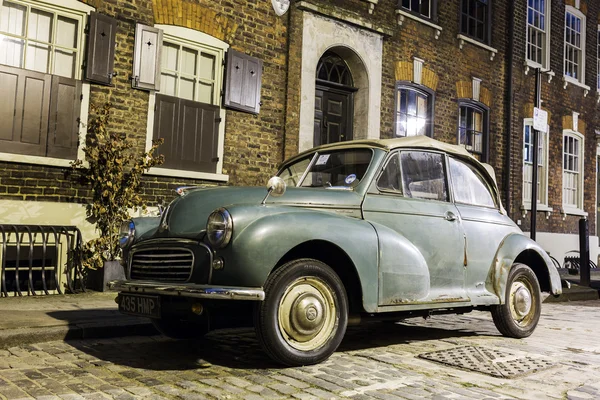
(498, 363)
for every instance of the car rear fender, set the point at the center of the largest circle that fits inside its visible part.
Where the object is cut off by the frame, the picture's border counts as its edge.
(257, 249)
(516, 248)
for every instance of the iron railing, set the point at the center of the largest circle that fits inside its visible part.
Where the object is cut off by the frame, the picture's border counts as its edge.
(40, 259)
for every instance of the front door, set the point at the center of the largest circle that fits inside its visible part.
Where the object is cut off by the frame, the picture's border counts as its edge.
(334, 100)
(333, 116)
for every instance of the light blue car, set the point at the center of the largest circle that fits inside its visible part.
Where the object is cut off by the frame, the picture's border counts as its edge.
(347, 232)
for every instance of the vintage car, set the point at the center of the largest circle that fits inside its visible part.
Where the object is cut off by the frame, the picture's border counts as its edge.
(348, 232)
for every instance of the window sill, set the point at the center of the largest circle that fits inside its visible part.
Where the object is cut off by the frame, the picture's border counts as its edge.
(530, 65)
(401, 15)
(35, 160)
(177, 173)
(372, 4)
(570, 210)
(526, 208)
(568, 80)
(462, 39)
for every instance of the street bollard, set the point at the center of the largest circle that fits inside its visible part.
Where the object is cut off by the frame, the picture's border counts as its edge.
(584, 252)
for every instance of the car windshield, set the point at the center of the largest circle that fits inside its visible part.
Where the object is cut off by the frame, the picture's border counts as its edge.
(342, 169)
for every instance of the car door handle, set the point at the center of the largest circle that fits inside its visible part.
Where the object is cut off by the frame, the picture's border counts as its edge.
(450, 216)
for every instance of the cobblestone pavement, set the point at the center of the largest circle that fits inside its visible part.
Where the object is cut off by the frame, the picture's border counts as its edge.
(374, 361)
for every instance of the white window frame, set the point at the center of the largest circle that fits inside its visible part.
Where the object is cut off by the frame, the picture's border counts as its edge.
(542, 204)
(64, 6)
(577, 209)
(569, 79)
(545, 66)
(193, 38)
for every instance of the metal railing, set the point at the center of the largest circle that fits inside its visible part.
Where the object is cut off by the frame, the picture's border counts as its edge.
(40, 259)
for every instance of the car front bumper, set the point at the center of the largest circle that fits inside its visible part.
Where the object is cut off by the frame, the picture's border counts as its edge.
(188, 290)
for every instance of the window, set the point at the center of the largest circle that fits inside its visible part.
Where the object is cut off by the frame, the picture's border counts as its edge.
(186, 112)
(538, 36)
(390, 177)
(41, 38)
(574, 45)
(414, 111)
(572, 170)
(475, 19)
(473, 129)
(41, 47)
(189, 71)
(542, 178)
(423, 175)
(468, 186)
(422, 8)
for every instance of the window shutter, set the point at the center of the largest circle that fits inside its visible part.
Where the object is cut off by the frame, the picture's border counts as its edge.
(24, 104)
(198, 136)
(146, 57)
(65, 107)
(243, 82)
(166, 119)
(101, 49)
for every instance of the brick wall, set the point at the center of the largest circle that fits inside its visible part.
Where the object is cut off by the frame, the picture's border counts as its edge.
(560, 103)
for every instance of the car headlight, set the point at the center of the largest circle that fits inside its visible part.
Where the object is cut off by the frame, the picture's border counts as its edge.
(219, 228)
(126, 233)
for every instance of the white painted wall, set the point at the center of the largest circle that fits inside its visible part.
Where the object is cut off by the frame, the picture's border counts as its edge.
(558, 244)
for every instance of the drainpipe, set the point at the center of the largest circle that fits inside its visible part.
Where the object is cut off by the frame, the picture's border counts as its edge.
(509, 108)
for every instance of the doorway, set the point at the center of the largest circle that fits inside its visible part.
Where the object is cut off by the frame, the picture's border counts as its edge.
(334, 101)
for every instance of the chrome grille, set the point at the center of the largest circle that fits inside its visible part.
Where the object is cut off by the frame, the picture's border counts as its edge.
(162, 264)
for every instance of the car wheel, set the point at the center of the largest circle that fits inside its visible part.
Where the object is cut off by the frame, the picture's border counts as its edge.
(520, 313)
(180, 329)
(304, 315)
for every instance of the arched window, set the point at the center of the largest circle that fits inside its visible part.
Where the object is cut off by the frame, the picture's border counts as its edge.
(332, 68)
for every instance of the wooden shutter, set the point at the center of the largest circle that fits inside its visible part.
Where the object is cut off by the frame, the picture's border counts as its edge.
(101, 49)
(146, 57)
(243, 82)
(24, 104)
(198, 136)
(65, 108)
(166, 121)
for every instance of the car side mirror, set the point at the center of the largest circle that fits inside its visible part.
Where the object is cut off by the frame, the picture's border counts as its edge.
(276, 187)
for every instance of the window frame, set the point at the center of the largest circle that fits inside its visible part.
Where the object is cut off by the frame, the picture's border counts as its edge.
(545, 65)
(485, 110)
(582, 49)
(577, 209)
(193, 36)
(433, 7)
(84, 9)
(79, 14)
(487, 40)
(430, 106)
(542, 204)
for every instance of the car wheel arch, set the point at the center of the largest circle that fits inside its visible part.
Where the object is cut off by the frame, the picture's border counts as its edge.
(334, 256)
(535, 261)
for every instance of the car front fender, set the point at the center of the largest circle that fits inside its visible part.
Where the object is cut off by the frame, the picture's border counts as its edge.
(259, 247)
(517, 248)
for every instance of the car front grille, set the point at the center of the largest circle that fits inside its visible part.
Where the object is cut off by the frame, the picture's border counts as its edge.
(162, 264)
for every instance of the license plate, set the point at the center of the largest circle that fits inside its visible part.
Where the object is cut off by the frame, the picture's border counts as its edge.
(145, 306)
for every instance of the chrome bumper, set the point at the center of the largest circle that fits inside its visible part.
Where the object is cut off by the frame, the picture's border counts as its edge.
(188, 290)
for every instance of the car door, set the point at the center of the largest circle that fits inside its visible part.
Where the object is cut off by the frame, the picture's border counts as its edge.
(484, 223)
(421, 237)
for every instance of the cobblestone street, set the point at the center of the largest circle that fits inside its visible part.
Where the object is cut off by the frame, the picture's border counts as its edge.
(374, 361)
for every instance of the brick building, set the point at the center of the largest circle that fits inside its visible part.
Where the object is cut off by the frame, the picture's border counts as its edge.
(236, 87)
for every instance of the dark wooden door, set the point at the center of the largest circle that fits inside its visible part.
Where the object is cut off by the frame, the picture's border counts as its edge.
(333, 115)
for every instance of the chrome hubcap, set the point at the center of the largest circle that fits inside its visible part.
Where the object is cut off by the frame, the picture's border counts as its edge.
(307, 314)
(521, 303)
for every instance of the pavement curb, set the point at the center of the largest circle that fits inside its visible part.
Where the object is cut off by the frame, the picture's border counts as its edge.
(574, 293)
(23, 336)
